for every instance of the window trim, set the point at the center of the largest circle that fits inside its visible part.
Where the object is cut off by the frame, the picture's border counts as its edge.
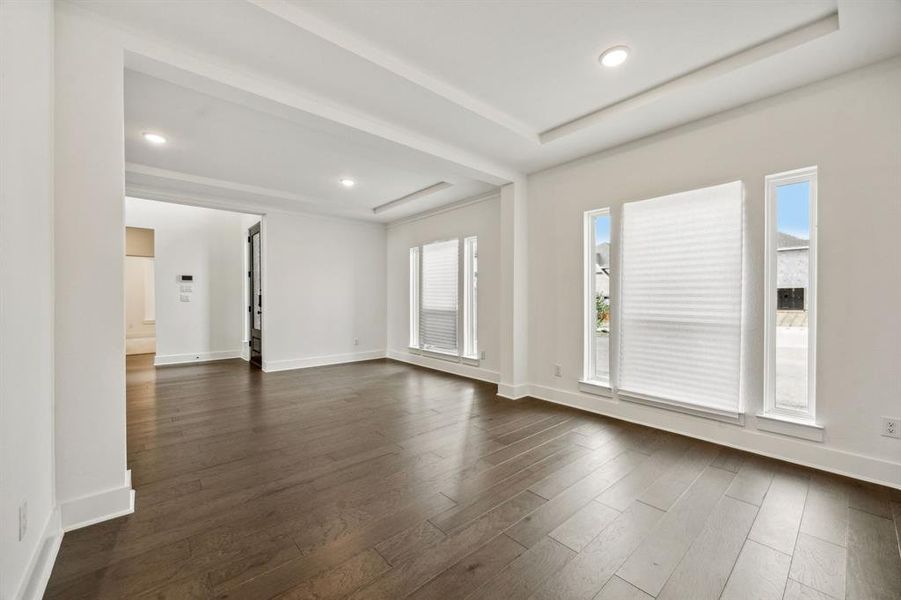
(470, 251)
(589, 308)
(733, 417)
(770, 410)
(415, 271)
(775, 423)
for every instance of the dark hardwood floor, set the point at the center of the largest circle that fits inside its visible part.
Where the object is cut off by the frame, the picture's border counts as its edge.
(381, 480)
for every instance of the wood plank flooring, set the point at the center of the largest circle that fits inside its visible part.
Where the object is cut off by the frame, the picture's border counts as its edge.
(381, 480)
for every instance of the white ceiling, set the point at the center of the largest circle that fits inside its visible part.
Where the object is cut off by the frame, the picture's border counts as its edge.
(217, 147)
(442, 89)
(537, 61)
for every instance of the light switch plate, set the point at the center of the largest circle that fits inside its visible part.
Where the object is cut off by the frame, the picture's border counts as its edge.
(184, 298)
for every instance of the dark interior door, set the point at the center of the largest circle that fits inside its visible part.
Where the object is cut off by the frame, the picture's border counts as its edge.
(255, 306)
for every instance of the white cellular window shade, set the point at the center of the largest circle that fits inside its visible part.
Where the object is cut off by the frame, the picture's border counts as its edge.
(681, 299)
(439, 301)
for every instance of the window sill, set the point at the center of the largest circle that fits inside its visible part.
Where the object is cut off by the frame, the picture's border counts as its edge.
(449, 357)
(596, 388)
(733, 418)
(789, 426)
(470, 360)
(440, 355)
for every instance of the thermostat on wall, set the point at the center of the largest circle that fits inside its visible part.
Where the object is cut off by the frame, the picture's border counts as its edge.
(186, 278)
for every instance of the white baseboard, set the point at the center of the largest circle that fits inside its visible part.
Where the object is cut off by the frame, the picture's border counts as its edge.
(747, 438)
(446, 366)
(96, 508)
(513, 392)
(272, 366)
(41, 564)
(178, 359)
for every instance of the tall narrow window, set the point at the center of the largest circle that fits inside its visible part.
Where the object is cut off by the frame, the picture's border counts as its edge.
(680, 303)
(597, 301)
(438, 316)
(791, 293)
(414, 297)
(470, 298)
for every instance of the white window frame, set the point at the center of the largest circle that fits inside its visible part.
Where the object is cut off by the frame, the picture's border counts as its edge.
(589, 383)
(770, 410)
(470, 298)
(466, 301)
(415, 292)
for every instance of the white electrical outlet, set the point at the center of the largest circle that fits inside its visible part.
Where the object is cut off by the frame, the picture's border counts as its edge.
(356, 341)
(558, 371)
(482, 355)
(891, 427)
(23, 520)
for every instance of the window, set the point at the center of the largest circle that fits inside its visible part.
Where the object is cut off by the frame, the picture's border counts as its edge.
(680, 301)
(443, 277)
(470, 298)
(597, 301)
(414, 297)
(439, 300)
(791, 294)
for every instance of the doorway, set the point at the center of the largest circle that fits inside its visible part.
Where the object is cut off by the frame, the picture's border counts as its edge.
(255, 305)
(140, 301)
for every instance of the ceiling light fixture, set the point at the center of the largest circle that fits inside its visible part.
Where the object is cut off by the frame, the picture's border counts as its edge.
(348, 183)
(154, 138)
(615, 56)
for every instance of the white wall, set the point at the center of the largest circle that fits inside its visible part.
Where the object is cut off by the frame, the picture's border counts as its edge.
(323, 287)
(26, 294)
(333, 273)
(210, 245)
(851, 129)
(92, 481)
(481, 219)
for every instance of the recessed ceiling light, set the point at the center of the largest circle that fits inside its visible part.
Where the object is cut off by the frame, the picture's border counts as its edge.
(348, 183)
(154, 138)
(615, 56)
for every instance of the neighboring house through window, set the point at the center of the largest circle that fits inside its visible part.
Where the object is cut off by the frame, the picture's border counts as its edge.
(792, 269)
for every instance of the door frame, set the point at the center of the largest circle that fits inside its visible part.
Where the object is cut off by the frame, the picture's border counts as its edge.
(255, 356)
